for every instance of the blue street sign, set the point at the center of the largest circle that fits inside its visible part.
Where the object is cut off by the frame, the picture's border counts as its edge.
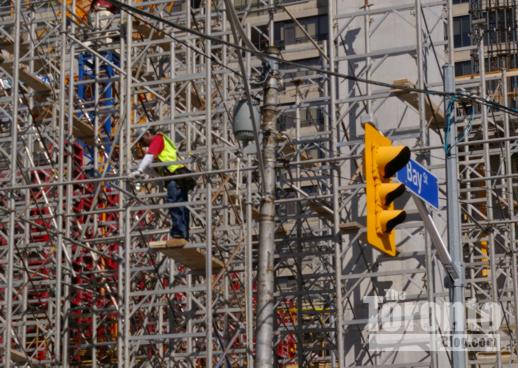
(420, 181)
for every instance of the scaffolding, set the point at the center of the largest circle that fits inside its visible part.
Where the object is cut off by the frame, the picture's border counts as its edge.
(87, 276)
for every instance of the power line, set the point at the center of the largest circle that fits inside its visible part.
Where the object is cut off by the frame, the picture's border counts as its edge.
(265, 56)
(186, 44)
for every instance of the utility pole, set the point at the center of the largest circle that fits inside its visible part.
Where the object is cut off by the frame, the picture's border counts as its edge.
(265, 284)
(454, 236)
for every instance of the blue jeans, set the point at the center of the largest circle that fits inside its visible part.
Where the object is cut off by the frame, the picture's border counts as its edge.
(179, 215)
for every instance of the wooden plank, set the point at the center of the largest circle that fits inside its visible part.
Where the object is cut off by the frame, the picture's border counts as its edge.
(27, 78)
(196, 100)
(193, 258)
(326, 212)
(489, 357)
(490, 75)
(290, 152)
(146, 31)
(350, 227)
(433, 113)
(7, 45)
(81, 129)
(41, 89)
(20, 357)
(39, 114)
(322, 210)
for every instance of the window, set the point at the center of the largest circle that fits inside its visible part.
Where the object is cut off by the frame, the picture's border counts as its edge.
(288, 33)
(309, 116)
(290, 72)
(496, 63)
(313, 116)
(243, 4)
(500, 26)
(461, 31)
(463, 68)
(259, 36)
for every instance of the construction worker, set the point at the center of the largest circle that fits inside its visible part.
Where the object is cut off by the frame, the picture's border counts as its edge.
(160, 147)
(103, 10)
(101, 5)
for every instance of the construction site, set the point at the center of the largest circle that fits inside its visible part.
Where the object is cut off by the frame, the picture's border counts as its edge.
(277, 269)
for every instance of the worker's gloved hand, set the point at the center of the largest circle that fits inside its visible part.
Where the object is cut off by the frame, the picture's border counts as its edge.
(137, 174)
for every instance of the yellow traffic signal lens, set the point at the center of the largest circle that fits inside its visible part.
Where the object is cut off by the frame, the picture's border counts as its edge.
(390, 159)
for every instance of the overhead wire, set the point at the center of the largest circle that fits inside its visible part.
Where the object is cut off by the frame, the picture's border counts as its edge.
(199, 52)
(476, 99)
(265, 56)
(336, 74)
(186, 44)
(450, 120)
(234, 27)
(428, 92)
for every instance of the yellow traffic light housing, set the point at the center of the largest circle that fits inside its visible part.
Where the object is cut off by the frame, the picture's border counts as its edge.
(382, 161)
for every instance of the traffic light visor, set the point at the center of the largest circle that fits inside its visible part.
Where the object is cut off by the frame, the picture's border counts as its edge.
(390, 219)
(391, 159)
(390, 191)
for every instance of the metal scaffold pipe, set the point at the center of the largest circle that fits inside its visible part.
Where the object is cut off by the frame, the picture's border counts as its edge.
(454, 228)
(8, 331)
(265, 271)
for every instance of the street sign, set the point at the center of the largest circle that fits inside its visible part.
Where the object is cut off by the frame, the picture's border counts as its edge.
(420, 181)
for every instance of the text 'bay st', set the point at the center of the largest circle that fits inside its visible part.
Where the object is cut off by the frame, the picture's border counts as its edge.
(420, 181)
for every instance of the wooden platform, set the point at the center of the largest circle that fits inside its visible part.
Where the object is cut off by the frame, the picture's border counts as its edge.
(289, 150)
(20, 358)
(7, 45)
(147, 32)
(488, 359)
(41, 89)
(81, 127)
(352, 227)
(193, 258)
(322, 210)
(434, 113)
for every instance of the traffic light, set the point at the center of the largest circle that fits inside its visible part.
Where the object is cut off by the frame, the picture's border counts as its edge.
(382, 161)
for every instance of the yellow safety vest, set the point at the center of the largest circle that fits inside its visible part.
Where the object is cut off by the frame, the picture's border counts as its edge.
(168, 154)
